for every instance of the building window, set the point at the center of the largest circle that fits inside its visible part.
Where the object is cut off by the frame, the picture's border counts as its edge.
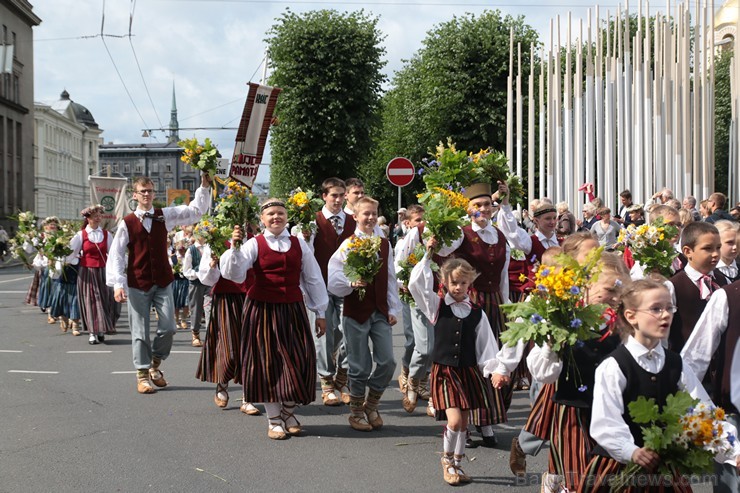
(126, 169)
(168, 168)
(187, 185)
(139, 169)
(167, 185)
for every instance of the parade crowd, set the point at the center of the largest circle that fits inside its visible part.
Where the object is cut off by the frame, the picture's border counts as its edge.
(279, 309)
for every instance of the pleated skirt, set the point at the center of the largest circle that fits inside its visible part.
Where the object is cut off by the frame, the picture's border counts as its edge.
(64, 301)
(220, 358)
(490, 303)
(463, 388)
(600, 470)
(44, 290)
(542, 413)
(33, 290)
(278, 353)
(97, 305)
(180, 288)
(571, 444)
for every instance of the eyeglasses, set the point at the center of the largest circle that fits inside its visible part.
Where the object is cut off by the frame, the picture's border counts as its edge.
(148, 191)
(657, 311)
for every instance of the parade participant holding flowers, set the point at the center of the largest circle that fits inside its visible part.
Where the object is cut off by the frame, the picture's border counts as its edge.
(278, 353)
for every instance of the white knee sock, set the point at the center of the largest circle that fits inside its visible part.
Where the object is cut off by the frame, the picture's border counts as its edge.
(460, 444)
(450, 440)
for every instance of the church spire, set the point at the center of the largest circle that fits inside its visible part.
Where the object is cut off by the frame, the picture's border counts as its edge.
(174, 135)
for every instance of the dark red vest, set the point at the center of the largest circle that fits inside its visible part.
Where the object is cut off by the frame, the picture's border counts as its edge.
(376, 292)
(148, 262)
(94, 255)
(488, 260)
(722, 362)
(277, 275)
(326, 241)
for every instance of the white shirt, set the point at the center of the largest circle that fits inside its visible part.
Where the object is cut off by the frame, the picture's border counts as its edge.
(729, 270)
(181, 215)
(692, 274)
(340, 286)
(207, 275)
(421, 286)
(488, 235)
(188, 269)
(235, 263)
(327, 215)
(607, 425)
(93, 236)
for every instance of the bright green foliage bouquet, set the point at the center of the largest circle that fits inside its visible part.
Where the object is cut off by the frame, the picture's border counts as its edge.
(449, 169)
(404, 275)
(216, 231)
(56, 243)
(686, 434)
(495, 168)
(200, 156)
(27, 233)
(302, 208)
(445, 212)
(363, 260)
(237, 206)
(556, 312)
(650, 245)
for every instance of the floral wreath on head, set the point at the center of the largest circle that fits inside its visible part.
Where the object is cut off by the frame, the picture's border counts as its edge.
(49, 220)
(89, 211)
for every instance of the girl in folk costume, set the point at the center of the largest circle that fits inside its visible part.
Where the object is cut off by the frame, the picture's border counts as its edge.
(484, 247)
(728, 235)
(278, 353)
(64, 303)
(41, 264)
(220, 359)
(180, 285)
(641, 366)
(97, 306)
(567, 430)
(464, 353)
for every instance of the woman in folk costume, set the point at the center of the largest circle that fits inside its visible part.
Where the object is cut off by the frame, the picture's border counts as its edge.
(97, 306)
(180, 285)
(41, 265)
(278, 352)
(485, 248)
(64, 302)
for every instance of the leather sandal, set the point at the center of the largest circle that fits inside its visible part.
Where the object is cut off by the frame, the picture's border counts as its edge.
(222, 396)
(359, 423)
(449, 471)
(143, 386)
(330, 399)
(157, 377)
(249, 409)
(373, 417)
(288, 415)
(464, 478)
(275, 430)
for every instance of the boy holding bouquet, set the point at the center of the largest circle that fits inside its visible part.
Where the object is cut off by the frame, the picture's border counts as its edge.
(361, 271)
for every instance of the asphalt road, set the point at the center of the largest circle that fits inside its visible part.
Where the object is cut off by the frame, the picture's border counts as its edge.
(73, 421)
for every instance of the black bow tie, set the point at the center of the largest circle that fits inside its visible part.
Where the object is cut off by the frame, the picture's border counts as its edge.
(152, 217)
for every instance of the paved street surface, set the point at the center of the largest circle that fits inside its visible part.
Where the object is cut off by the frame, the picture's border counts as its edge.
(72, 421)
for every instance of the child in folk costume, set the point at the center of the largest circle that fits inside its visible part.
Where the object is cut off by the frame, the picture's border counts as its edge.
(180, 286)
(367, 319)
(278, 353)
(728, 235)
(41, 264)
(570, 442)
(97, 306)
(198, 296)
(639, 367)
(464, 353)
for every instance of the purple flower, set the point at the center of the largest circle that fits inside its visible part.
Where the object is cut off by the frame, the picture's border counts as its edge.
(462, 190)
(582, 388)
(535, 319)
(542, 287)
(617, 283)
(433, 163)
(731, 439)
(476, 214)
(420, 172)
(533, 259)
(579, 343)
(545, 272)
(574, 290)
(577, 322)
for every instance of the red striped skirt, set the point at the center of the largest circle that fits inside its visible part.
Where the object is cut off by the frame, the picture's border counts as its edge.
(570, 443)
(601, 470)
(463, 388)
(490, 303)
(542, 413)
(33, 290)
(220, 359)
(278, 353)
(97, 304)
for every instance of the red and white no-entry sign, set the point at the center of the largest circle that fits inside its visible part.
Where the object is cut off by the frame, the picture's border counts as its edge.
(400, 171)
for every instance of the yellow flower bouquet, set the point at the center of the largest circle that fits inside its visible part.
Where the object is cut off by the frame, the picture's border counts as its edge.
(302, 207)
(363, 260)
(404, 275)
(650, 245)
(445, 212)
(200, 156)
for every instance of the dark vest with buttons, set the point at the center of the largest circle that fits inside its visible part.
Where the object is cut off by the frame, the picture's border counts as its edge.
(488, 260)
(376, 293)
(587, 357)
(148, 263)
(326, 241)
(641, 382)
(722, 362)
(690, 307)
(195, 255)
(454, 338)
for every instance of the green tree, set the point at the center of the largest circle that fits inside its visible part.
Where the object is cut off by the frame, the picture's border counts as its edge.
(722, 119)
(454, 86)
(329, 67)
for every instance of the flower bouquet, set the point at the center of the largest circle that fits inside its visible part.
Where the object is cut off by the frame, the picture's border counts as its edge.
(216, 231)
(445, 212)
(404, 275)
(556, 312)
(27, 234)
(650, 245)
(200, 156)
(449, 168)
(686, 434)
(302, 208)
(363, 260)
(494, 167)
(237, 206)
(56, 244)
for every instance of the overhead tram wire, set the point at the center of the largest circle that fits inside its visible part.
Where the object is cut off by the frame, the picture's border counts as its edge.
(143, 80)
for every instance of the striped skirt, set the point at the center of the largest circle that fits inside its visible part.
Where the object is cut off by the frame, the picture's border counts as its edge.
(490, 303)
(97, 305)
(278, 353)
(570, 443)
(180, 287)
(64, 301)
(463, 388)
(44, 296)
(601, 470)
(220, 359)
(33, 290)
(542, 413)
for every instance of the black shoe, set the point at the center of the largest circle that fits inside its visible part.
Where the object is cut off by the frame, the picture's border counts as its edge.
(92, 340)
(469, 443)
(490, 442)
(101, 338)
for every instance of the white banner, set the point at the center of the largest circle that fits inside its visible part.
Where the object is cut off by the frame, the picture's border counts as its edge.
(111, 194)
(222, 172)
(252, 134)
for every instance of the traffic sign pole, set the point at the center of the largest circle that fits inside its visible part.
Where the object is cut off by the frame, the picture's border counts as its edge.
(400, 172)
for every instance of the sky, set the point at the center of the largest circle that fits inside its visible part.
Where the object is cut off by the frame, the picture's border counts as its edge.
(210, 50)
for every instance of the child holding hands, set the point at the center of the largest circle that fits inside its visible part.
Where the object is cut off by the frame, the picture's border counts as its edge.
(464, 351)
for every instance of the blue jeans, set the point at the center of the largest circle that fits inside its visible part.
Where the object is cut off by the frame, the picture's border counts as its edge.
(139, 306)
(330, 349)
(357, 338)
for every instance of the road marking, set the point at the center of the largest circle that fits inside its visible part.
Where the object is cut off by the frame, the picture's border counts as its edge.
(13, 292)
(18, 279)
(34, 371)
(88, 352)
(185, 352)
(10, 351)
(122, 372)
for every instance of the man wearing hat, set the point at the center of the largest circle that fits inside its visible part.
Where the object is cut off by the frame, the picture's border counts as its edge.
(485, 248)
